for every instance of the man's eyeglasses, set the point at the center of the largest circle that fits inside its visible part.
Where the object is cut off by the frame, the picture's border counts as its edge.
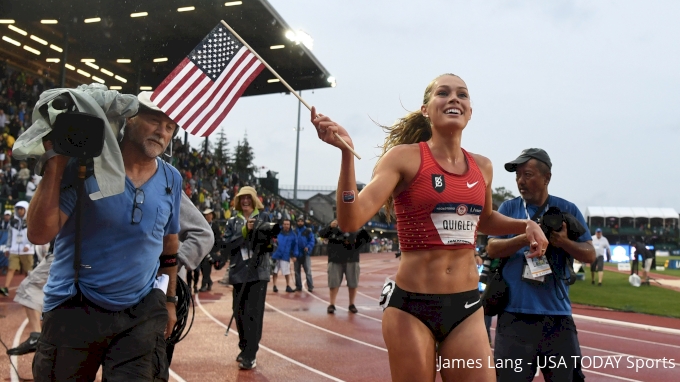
(136, 211)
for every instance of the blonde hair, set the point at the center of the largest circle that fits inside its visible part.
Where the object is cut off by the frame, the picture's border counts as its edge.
(412, 128)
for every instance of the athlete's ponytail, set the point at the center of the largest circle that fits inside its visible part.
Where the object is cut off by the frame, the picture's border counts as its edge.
(412, 128)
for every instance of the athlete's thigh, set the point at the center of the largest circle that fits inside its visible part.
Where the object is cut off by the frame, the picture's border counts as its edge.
(466, 354)
(410, 346)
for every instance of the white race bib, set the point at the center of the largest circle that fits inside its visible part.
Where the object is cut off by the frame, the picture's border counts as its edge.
(386, 294)
(456, 223)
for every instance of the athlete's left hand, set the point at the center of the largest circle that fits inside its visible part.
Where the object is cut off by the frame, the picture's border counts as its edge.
(172, 319)
(559, 238)
(537, 240)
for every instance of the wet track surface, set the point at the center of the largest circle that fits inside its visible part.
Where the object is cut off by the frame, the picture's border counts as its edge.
(301, 342)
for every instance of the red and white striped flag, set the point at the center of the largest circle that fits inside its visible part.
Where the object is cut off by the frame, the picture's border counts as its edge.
(203, 88)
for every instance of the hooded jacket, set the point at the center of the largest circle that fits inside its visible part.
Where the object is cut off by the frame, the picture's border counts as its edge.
(287, 246)
(305, 238)
(238, 244)
(17, 239)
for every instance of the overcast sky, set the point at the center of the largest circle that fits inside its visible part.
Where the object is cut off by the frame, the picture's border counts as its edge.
(594, 83)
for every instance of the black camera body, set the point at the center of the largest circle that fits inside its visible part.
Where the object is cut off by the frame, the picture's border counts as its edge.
(262, 236)
(75, 134)
(552, 220)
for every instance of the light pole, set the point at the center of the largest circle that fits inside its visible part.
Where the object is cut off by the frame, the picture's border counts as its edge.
(297, 149)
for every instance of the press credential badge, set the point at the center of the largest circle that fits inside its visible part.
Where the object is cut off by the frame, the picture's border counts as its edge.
(538, 266)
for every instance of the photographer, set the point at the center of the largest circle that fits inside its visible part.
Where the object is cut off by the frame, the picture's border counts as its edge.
(209, 260)
(537, 320)
(113, 315)
(249, 270)
(343, 259)
(305, 246)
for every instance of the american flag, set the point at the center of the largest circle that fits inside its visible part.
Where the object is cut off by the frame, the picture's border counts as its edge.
(203, 88)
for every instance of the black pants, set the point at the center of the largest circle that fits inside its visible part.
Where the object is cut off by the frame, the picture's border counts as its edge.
(193, 275)
(249, 316)
(78, 336)
(206, 268)
(525, 341)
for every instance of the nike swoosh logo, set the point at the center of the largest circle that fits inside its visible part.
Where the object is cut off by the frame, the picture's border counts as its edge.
(467, 306)
(472, 185)
(33, 342)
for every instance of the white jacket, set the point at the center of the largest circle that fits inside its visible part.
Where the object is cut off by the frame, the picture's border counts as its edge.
(17, 238)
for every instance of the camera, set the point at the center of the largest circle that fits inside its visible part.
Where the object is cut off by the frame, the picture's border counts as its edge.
(74, 134)
(552, 220)
(264, 232)
(486, 266)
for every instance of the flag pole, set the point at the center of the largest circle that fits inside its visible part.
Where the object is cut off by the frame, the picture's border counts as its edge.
(282, 81)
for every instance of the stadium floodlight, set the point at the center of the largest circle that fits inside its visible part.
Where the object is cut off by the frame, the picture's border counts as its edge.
(160, 59)
(108, 73)
(232, 3)
(300, 36)
(70, 67)
(92, 20)
(11, 41)
(20, 31)
(277, 47)
(32, 50)
(121, 79)
(91, 65)
(53, 60)
(272, 80)
(115, 87)
(38, 39)
(139, 14)
(98, 79)
(123, 61)
(84, 73)
(49, 21)
(145, 88)
(331, 80)
(6, 21)
(58, 49)
(185, 9)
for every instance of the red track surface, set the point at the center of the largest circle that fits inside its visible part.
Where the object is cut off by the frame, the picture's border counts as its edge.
(301, 342)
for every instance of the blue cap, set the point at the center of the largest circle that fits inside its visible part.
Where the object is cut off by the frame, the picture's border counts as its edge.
(598, 230)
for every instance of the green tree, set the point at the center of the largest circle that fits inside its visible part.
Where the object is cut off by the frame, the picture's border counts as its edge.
(243, 159)
(501, 194)
(222, 154)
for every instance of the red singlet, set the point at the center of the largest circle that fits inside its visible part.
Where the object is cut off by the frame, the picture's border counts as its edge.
(440, 210)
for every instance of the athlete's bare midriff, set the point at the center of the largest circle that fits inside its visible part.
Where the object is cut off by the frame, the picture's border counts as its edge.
(438, 271)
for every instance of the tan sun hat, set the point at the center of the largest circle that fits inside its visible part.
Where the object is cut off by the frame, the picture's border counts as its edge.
(247, 190)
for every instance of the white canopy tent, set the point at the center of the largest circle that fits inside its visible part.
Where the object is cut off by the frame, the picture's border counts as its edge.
(668, 216)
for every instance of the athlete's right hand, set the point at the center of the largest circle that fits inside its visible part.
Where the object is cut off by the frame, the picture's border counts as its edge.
(538, 243)
(326, 129)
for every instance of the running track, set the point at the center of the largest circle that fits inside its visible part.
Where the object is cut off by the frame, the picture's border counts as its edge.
(301, 342)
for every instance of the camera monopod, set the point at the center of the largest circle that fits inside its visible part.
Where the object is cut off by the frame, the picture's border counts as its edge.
(251, 266)
(77, 135)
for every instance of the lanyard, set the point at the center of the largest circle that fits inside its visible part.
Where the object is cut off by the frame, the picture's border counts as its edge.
(526, 210)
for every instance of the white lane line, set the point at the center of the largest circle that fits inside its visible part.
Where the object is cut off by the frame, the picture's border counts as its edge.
(628, 339)
(337, 307)
(323, 329)
(313, 370)
(176, 376)
(610, 375)
(13, 359)
(365, 295)
(628, 324)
